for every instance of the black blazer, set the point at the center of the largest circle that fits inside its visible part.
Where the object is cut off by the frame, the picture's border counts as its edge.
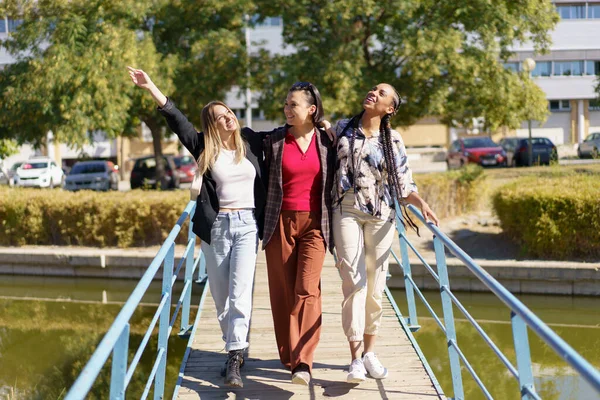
(207, 206)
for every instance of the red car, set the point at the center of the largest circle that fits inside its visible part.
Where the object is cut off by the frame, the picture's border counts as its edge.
(476, 150)
(186, 168)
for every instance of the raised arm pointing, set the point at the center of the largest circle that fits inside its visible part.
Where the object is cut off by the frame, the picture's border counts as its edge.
(141, 79)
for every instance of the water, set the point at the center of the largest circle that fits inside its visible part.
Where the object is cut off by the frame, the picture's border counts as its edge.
(49, 328)
(575, 319)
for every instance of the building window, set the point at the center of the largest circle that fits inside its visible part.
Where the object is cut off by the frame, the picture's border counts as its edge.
(542, 68)
(592, 67)
(268, 21)
(512, 66)
(559, 105)
(2, 25)
(571, 12)
(257, 113)
(594, 105)
(274, 21)
(568, 68)
(240, 113)
(593, 11)
(13, 24)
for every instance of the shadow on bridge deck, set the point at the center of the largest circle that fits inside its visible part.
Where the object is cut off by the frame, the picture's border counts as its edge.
(265, 377)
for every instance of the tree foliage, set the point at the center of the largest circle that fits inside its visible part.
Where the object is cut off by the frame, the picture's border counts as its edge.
(445, 58)
(70, 74)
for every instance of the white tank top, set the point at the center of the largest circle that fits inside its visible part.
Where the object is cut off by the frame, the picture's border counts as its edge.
(235, 182)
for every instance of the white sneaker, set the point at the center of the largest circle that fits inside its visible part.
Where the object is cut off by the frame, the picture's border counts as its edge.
(356, 372)
(374, 367)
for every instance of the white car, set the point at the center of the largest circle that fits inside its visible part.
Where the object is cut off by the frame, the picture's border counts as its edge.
(39, 172)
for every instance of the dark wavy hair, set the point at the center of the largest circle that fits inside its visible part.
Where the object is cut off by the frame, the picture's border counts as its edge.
(312, 96)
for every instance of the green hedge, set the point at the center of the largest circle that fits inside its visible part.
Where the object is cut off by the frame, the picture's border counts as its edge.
(145, 218)
(57, 217)
(454, 192)
(552, 217)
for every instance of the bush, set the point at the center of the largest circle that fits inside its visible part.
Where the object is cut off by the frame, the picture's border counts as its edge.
(552, 217)
(451, 193)
(145, 218)
(44, 217)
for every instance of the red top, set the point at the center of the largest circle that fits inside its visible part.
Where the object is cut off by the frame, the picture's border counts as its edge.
(301, 176)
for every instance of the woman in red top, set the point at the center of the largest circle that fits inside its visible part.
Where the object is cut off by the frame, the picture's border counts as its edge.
(300, 160)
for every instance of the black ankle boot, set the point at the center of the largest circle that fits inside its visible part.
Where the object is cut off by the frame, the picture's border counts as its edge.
(224, 367)
(234, 363)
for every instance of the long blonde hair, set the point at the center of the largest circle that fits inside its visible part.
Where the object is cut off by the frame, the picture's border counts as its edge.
(212, 139)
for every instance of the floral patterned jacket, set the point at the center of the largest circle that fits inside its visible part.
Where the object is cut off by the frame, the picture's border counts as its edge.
(366, 173)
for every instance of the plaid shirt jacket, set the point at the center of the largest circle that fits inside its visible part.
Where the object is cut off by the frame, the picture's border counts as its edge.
(273, 148)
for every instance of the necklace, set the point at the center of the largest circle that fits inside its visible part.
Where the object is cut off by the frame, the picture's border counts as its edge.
(368, 134)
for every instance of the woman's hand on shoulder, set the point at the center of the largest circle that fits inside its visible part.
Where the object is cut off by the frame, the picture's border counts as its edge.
(325, 124)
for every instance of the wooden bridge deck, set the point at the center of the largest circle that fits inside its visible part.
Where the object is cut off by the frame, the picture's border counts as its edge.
(264, 376)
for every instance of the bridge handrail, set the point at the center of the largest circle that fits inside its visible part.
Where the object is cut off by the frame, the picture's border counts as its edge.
(521, 317)
(116, 339)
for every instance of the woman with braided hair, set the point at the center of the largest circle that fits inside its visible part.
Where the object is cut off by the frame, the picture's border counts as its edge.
(371, 175)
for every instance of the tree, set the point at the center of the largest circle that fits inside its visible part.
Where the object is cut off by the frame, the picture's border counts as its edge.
(7, 148)
(445, 58)
(70, 74)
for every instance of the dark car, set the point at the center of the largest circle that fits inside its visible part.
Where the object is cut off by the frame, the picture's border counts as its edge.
(143, 174)
(517, 150)
(476, 150)
(186, 168)
(92, 175)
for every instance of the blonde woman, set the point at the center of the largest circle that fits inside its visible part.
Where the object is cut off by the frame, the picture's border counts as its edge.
(229, 214)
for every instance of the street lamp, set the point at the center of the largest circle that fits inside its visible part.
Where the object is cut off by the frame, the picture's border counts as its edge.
(248, 91)
(529, 66)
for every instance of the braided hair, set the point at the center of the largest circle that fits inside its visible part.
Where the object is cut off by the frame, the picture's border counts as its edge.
(390, 161)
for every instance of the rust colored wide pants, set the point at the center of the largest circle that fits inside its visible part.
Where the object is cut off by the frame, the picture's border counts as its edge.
(295, 256)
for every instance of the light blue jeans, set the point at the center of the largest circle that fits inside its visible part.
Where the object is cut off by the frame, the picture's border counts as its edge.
(230, 265)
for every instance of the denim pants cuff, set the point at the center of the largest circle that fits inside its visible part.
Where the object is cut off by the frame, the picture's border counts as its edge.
(236, 346)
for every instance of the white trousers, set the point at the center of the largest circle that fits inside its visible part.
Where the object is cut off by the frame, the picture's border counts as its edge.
(363, 245)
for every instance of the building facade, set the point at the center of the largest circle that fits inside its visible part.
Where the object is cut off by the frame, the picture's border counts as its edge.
(568, 74)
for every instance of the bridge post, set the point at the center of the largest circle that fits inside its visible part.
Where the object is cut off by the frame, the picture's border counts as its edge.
(440, 258)
(410, 293)
(163, 330)
(521, 341)
(119, 365)
(189, 271)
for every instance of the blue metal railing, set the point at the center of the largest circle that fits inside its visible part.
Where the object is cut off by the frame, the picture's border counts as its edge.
(116, 340)
(521, 318)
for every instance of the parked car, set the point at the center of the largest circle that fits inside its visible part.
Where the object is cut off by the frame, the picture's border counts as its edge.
(93, 175)
(143, 174)
(7, 175)
(39, 172)
(517, 150)
(12, 171)
(475, 150)
(3, 174)
(590, 147)
(186, 168)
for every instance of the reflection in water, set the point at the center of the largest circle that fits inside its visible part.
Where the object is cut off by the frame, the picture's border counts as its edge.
(575, 319)
(45, 344)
